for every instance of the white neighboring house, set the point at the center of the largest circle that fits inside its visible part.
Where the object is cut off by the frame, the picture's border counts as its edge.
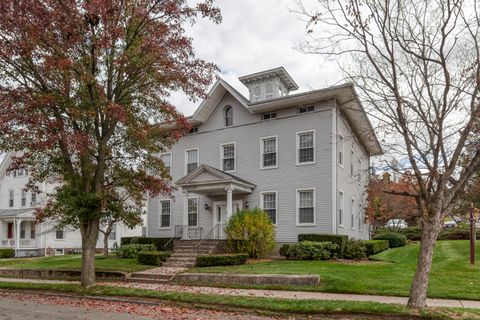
(18, 229)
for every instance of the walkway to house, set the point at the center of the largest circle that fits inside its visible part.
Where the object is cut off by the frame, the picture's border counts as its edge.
(299, 295)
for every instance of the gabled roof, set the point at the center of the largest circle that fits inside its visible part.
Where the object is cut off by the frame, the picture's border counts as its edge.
(4, 163)
(17, 213)
(215, 176)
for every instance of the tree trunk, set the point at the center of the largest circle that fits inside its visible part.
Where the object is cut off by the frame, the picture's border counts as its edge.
(105, 244)
(418, 290)
(89, 230)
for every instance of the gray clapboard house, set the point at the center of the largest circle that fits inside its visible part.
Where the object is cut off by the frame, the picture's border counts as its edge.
(303, 158)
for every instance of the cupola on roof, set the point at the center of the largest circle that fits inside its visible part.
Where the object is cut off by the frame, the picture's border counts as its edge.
(269, 84)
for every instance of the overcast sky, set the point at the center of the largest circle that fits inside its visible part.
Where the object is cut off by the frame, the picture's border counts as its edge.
(257, 35)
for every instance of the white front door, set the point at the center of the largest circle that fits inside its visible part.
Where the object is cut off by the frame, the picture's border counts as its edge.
(220, 215)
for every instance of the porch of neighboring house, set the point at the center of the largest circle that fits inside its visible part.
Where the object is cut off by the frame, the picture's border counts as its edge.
(226, 193)
(18, 232)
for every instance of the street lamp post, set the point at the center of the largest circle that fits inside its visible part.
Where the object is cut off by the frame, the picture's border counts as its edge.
(472, 237)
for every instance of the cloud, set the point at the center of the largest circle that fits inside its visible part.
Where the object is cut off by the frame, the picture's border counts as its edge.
(255, 36)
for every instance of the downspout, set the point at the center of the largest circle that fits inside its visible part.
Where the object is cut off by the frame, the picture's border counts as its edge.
(334, 169)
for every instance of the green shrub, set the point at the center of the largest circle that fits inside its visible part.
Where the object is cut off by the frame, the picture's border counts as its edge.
(158, 242)
(252, 232)
(394, 239)
(412, 233)
(132, 250)
(7, 253)
(311, 250)
(376, 246)
(340, 240)
(355, 250)
(152, 258)
(222, 260)
(284, 249)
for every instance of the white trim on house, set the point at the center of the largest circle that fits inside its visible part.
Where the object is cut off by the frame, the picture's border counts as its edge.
(334, 171)
(262, 167)
(234, 156)
(224, 204)
(262, 193)
(160, 214)
(297, 138)
(171, 160)
(352, 163)
(297, 207)
(186, 159)
(341, 206)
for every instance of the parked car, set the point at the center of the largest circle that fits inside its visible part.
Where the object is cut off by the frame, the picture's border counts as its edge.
(396, 224)
(449, 224)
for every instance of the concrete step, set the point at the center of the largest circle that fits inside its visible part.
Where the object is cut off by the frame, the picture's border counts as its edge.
(182, 255)
(145, 280)
(178, 264)
(181, 260)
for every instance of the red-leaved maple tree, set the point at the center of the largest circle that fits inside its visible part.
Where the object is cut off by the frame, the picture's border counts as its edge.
(83, 86)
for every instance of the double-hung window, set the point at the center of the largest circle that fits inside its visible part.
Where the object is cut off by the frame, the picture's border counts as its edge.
(34, 198)
(340, 207)
(341, 142)
(113, 233)
(191, 159)
(269, 147)
(10, 198)
(165, 213)
(352, 163)
(22, 230)
(269, 204)
(24, 197)
(193, 212)
(59, 234)
(167, 162)
(228, 156)
(306, 207)
(352, 213)
(306, 147)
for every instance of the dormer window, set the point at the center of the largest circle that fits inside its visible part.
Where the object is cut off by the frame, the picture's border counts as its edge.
(257, 93)
(228, 116)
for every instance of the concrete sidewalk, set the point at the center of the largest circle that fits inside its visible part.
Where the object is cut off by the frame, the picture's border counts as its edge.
(300, 295)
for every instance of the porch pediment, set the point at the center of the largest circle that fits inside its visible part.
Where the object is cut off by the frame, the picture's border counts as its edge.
(27, 213)
(208, 180)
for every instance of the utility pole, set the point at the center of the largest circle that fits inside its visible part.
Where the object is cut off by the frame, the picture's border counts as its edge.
(472, 237)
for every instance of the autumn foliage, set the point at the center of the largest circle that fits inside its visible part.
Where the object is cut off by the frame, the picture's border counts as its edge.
(385, 200)
(84, 85)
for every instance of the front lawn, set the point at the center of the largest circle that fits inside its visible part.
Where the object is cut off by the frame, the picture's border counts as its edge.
(451, 276)
(73, 261)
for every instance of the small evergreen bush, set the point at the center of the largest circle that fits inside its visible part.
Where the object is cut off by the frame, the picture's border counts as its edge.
(355, 250)
(376, 246)
(222, 260)
(252, 232)
(311, 250)
(158, 242)
(340, 240)
(7, 253)
(152, 258)
(132, 250)
(395, 240)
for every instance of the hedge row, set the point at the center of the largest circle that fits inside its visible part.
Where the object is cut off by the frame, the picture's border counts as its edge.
(376, 246)
(221, 260)
(310, 250)
(158, 242)
(7, 253)
(152, 258)
(340, 240)
(132, 250)
(395, 240)
(461, 232)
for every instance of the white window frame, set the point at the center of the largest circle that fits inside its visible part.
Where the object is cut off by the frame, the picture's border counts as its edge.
(256, 97)
(57, 251)
(341, 143)
(297, 156)
(359, 170)
(262, 150)
(63, 234)
(11, 198)
(297, 208)
(352, 162)
(113, 233)
(227, 107)
(234, 156)
(360, 216)
(198, 209)
(171, 160)
(23, 198)
(352, 213)
(341, 207)
(276, 203)
(186, 158)
(160, 214)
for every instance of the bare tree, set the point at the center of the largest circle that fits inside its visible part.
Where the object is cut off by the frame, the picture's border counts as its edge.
(416, 64)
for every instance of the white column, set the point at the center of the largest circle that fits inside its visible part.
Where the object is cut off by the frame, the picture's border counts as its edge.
(17, 233)
(185, 216)
(229, 202)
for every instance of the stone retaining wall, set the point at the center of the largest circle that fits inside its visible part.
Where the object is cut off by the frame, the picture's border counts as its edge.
(58, 274)
(246, 279)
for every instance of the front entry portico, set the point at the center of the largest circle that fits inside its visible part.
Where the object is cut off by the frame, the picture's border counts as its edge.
(211, 182)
